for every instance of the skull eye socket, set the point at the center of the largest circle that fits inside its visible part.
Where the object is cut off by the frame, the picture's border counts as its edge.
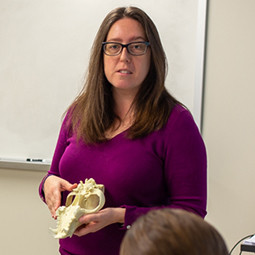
(90, 203)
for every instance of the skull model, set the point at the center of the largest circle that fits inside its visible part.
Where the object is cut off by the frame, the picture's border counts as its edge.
(87, 198)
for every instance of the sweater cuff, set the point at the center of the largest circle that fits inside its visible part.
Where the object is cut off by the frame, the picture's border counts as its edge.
(131, 215)
(41, 187)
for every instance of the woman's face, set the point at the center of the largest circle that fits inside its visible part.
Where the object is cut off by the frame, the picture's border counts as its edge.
(126, 72)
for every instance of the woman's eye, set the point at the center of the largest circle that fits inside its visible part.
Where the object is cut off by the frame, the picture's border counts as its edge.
(136, 46)
(114, 46)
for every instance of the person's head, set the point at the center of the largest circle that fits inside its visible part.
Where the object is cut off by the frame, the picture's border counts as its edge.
(126, 68)
(120, 25)
(141, 68)
(172, 232)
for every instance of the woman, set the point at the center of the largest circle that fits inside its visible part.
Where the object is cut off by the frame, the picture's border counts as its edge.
(129, 134)
(172, 232)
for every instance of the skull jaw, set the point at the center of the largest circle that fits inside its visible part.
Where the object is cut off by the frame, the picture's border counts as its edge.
(68, 221)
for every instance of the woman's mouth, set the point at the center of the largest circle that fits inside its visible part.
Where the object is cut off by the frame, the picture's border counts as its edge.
(124, 71)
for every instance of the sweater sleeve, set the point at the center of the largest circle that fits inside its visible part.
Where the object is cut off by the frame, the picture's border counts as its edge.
(59, 150)
(185, 168)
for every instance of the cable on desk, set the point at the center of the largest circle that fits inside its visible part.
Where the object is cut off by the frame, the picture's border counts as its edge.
(240, 242)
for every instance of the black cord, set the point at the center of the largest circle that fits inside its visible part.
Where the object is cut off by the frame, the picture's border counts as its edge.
(240, 242)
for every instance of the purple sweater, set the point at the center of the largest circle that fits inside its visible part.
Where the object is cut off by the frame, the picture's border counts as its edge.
(167, 168)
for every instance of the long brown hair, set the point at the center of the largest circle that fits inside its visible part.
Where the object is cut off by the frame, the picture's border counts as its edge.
(92, 112)
(172, 232)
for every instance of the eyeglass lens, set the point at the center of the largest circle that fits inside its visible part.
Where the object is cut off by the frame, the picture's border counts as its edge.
(136, 48)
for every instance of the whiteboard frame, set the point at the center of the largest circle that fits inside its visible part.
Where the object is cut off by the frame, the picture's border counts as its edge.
(200, 62)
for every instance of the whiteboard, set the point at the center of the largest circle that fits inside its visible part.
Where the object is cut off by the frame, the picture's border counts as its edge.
(44, 53)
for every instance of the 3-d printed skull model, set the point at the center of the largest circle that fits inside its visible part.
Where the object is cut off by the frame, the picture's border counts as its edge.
(88, 197)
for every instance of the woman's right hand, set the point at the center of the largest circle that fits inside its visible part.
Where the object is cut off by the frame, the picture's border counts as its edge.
(52, 188)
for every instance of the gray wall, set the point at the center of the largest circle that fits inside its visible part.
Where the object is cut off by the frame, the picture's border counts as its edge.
(229, 117)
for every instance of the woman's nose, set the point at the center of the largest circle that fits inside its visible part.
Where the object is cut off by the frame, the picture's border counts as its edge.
(124, 55)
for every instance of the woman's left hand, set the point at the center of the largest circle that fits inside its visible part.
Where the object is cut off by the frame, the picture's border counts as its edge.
(96, 221)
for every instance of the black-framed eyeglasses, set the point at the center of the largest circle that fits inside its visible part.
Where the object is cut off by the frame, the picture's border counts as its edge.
(133, 48)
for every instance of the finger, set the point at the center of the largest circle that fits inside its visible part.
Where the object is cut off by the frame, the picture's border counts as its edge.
(86, 229)
(53, 210)
(53, 202)
(73, 186)
(87, 218)
(56, 202)
(65, 185)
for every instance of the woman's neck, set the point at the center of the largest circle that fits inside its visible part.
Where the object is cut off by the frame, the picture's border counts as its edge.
(123, 104)
(124, 110)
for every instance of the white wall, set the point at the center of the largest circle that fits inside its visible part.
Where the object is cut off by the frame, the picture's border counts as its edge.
(228, 130)
(229, 117)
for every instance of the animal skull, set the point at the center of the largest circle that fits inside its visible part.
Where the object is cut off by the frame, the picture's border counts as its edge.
(87, 198)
